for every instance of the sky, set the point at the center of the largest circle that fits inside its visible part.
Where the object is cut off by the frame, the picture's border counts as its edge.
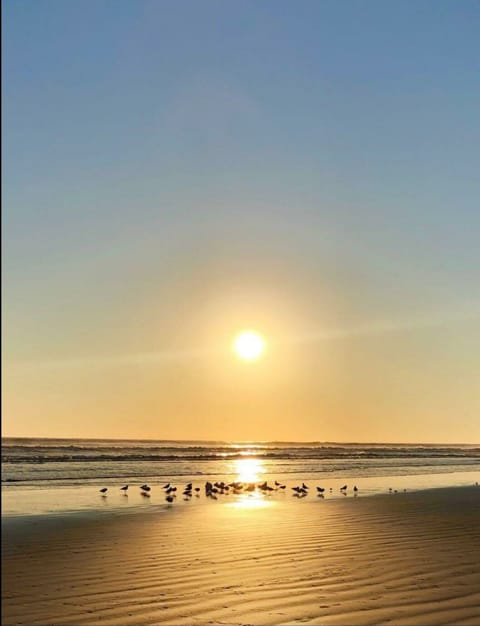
(177, 171)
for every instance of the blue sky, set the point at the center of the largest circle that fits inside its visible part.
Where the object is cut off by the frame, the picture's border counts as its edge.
(166, 163)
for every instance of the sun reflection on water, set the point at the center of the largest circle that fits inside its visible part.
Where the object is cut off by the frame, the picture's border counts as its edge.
(248, 470)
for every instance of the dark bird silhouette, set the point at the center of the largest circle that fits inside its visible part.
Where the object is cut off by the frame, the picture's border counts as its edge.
(104, 490)
(304, 486)
(355, 488)
(343, 488)
(169, 499)
(124, 489)
(166, 486)
(320, 489)
(145, 488)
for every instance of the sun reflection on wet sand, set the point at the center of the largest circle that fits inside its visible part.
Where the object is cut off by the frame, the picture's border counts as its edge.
(254, 500)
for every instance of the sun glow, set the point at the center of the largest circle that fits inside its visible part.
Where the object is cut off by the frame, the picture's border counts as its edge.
(249, 345)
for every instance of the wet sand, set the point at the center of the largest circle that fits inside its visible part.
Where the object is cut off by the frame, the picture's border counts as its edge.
(405, 558)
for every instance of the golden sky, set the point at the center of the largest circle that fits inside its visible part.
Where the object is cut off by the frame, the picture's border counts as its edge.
(187, 170)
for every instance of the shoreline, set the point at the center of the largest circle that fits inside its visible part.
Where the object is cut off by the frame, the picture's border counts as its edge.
(45, 500)
(408, 558)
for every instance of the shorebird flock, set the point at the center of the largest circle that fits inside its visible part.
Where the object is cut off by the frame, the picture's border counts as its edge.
(216, 489)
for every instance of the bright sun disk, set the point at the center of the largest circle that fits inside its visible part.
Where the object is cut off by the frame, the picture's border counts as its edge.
(249, 345)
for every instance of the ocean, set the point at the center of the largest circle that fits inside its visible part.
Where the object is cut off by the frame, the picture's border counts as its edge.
(76, 468)
(38, 462)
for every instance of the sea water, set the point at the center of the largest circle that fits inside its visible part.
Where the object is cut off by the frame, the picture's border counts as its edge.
(58, 475)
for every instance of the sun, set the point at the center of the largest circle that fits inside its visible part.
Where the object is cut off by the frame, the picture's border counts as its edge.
(249, 345)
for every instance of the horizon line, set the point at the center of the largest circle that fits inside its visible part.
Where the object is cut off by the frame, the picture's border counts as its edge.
(251, 441)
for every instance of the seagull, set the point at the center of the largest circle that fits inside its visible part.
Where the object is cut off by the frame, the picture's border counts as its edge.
(355, 488)
(343, 488)
(104, 490)
(124, 489)
(320, 489)
(145, 488)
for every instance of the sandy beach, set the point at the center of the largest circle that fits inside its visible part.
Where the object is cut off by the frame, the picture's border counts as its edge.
(405, 558)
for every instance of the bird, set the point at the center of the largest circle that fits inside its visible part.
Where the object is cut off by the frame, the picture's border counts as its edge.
(124, 489)
(104, 490)
(166, 486)
(355, 488)
(145, 488)
(304, 486)
(169, 499)
(320, 489)
(343, 488)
